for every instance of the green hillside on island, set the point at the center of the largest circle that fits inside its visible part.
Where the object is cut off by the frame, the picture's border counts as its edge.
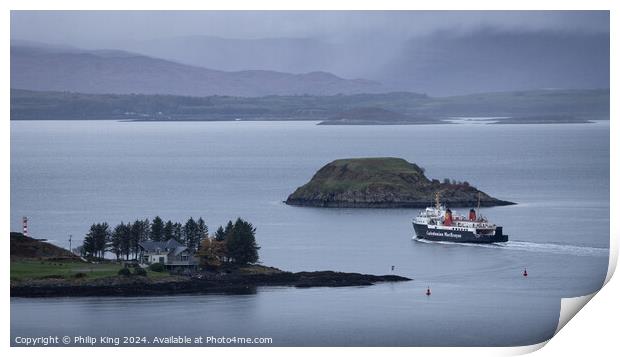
(385, 182)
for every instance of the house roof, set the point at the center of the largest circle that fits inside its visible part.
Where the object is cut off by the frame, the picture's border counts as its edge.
(163, 246)
(179, 250)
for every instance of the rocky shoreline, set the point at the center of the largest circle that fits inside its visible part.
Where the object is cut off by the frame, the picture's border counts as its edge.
(339, 203)
(210, 283)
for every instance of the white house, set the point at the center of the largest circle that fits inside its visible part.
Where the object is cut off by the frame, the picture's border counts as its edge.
(170, 253)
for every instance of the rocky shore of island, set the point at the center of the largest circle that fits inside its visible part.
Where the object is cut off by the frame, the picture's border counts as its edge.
(234, 282)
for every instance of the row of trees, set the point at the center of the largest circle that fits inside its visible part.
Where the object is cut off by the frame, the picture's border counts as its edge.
(235, 243)
(124, 238)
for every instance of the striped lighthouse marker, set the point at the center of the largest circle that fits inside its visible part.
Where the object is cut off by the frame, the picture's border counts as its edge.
(25, 225)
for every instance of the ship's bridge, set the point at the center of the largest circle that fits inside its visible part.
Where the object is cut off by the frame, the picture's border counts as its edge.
(430, 213)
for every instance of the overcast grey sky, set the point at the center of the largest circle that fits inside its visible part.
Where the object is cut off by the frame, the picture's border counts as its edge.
(99, 29)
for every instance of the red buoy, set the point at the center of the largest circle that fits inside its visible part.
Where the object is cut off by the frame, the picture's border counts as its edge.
(524, 272)
(428, 291)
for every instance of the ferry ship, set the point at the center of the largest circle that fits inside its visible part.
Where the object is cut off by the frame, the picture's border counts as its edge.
(441, 224)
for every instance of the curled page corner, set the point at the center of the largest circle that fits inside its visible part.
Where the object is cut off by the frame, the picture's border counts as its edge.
(523, 350)
(613, 260)
(571, 306)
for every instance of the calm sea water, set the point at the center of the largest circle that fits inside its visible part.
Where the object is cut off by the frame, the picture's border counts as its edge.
(66, 175)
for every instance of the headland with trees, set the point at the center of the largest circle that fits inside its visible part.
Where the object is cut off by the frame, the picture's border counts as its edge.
(227, 263)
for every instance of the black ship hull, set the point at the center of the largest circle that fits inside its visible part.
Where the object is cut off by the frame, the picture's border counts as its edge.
(444, 235)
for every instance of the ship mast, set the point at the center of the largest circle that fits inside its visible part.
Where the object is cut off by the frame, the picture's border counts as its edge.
(437, 205)
(478, 213)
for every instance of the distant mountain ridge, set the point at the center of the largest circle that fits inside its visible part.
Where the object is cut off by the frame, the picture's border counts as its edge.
(441, 63)
(120, 72)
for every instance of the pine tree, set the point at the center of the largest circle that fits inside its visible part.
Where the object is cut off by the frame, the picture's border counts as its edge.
(220, 235)
(157, 229)
(177, 232)
(241, 243)
(103, 238)
(169, 230)
(228, 229)
(96, 240)
(126, 239)
(192, 238)
(146, 230)
(89, 242)
(203, 229)
(135, 237)
(139, 233)
(116, 242)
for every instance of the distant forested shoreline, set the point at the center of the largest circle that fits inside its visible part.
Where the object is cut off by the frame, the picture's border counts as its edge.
(403, 107)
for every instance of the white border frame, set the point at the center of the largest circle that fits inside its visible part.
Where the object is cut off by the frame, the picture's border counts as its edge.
(592, 331)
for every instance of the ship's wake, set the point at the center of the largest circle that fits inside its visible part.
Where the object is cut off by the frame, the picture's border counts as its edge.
(553, 248)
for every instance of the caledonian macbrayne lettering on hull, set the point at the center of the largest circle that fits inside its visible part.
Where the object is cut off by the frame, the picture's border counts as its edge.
(443, 234)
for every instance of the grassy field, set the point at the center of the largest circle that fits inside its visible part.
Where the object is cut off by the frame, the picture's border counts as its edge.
(35, 269)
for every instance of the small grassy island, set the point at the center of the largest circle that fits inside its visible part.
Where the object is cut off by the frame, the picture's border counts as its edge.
(147, 262)
(383, 182)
